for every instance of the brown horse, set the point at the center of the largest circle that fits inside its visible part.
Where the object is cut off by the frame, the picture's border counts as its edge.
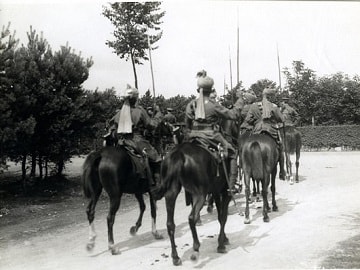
(196, 170)
(292, 146)
(111, 168)
(259, 157)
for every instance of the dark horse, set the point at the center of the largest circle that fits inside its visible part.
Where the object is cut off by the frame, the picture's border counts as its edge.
(292, 146)
(193, 167)
(111, 168)
(259, 156)
(243, 135)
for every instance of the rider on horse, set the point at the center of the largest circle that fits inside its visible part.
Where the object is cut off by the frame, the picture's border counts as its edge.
(202, 117)
(132, 121)
(291, 116)
(248, 98)
(265, 116)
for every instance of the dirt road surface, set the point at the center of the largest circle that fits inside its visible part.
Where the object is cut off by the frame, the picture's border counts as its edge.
(317, 226)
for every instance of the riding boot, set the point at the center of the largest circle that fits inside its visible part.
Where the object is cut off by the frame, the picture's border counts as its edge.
(233, 175)
(148, 169)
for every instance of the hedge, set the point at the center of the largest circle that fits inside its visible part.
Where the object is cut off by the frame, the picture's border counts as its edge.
(327, 137)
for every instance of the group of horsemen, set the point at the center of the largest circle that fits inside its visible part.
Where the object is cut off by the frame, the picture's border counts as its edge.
(203, 118)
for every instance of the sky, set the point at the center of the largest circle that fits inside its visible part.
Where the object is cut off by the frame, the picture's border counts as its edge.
(202, 35)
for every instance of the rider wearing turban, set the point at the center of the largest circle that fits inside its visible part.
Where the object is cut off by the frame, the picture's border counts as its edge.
(132, 121)
(291, 116)
(265, 117)
(249, 98)
(202, 116)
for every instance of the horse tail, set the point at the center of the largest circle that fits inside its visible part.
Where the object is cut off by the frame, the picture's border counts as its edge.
(293, 140)
(90, 174)
(170, 171)
(256, 159)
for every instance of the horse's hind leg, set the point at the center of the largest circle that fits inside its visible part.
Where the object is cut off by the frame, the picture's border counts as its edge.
(297, 165)
(264, 191)
(198, 202)
(154, 231)
(140, 199)
(247, 197)
(114, 206)
(273, 189)
(222, 204)
(90, 211)
(170, 199)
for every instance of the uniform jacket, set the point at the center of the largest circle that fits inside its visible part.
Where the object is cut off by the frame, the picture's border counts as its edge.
(264, 124)
(291, 117)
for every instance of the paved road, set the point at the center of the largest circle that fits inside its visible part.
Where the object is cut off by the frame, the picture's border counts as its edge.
(316, 217)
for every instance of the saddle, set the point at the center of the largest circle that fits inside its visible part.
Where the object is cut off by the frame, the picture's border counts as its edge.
(138, 160)
(210, 147)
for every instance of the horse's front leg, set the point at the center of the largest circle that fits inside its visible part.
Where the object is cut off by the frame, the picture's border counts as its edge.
(154, 231)
(114, 206)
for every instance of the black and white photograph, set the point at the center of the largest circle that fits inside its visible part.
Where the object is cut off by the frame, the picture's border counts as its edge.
(179, 135)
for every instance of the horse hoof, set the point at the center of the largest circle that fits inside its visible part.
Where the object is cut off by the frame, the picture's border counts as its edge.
(194, 256)
(266, 219)
(275, 208)
(247, 221)
(133, 230)
(157, 235)
(114, 250)
(221, 249)
(177, 261)
(90, 246)
(210, 209)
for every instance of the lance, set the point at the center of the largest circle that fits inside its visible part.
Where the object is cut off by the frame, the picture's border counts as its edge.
(278, 60)
(151, 68)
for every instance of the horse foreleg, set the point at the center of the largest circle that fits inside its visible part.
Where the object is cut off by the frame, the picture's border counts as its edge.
(114, 206)
(255, 190)
(140, 199)
(198, 202)
(154, 231)
(170, 200)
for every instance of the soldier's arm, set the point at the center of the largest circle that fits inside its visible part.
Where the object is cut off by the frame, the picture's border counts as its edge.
(233, 113)
(251, 116)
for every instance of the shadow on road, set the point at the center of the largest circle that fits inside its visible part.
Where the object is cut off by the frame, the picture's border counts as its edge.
(346, 253)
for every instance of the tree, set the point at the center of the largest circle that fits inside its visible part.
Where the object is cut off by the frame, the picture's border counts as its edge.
(302, 86)
(260, 85)
(8, 45)
(134, 23)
